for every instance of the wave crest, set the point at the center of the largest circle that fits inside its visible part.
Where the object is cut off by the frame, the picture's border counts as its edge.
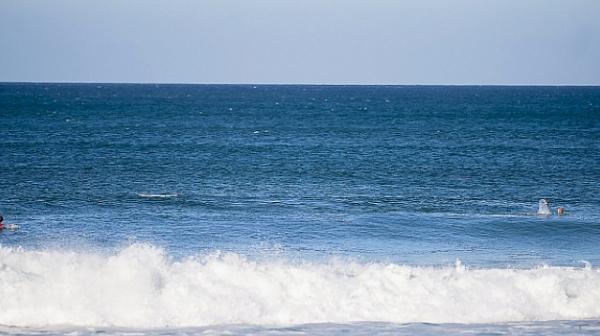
(142, 287)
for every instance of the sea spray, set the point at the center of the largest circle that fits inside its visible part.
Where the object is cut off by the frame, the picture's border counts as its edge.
(141, 286)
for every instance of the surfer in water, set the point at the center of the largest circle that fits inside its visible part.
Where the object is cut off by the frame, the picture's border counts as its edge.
(1, 219)
(544, 209)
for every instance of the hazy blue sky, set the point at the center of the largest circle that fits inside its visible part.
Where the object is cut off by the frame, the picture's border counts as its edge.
(301, 41)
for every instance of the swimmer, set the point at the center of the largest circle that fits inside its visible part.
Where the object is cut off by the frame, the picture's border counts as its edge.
(544, 208)
(1, 219)
(560, 211)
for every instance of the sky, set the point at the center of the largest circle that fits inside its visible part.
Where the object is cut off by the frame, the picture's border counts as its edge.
(416, 42)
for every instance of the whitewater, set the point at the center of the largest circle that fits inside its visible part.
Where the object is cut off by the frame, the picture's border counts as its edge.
(141, 287)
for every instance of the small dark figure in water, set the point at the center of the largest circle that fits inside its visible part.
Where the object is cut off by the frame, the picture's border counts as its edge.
(1, 219)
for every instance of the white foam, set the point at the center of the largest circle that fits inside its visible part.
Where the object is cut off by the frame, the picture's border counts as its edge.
(157, 195)
(141, 287)
(544, 208)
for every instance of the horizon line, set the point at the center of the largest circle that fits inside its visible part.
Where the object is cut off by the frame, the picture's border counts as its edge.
(292, 84)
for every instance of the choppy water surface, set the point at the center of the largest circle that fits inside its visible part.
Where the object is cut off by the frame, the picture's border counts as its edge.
(299, 209)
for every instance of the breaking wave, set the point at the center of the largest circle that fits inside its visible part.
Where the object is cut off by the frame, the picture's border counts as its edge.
(142, 287)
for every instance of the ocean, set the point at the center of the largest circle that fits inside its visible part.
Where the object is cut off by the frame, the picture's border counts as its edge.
(299, 210)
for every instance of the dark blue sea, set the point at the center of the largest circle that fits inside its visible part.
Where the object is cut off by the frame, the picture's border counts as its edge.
(299, 210)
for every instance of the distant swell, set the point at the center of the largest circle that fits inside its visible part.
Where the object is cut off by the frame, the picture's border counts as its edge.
(142, 287)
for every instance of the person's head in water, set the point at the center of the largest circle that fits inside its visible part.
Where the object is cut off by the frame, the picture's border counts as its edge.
(560, 211)
(1, 219)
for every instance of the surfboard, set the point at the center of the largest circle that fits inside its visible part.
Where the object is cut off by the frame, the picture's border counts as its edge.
(10, 226)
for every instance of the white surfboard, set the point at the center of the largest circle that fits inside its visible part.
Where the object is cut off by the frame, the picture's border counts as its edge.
(10, 226)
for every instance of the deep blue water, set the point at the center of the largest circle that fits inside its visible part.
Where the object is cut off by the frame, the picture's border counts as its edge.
(420, 176)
